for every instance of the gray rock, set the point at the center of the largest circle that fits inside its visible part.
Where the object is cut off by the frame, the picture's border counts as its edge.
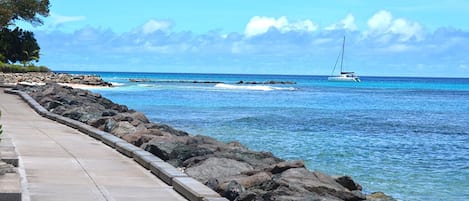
(317, 183)
(140, 117)
(217, 168)
(255, 159)
(123, 128)
(379, 196)
(347, 182)
(6, 168)
(233, 190)
(162, 146)
(246, 181)
(183, 152)
(284, 165)
(168, 129)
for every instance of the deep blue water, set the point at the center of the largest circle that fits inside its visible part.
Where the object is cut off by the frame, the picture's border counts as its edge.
(407, 137)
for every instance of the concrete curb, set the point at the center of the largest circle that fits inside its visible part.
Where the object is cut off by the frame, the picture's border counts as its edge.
(144, 158)
(166, 171)
(10, 187)
(126, 148)
(190, 188)
(193, 189)
(7, 152)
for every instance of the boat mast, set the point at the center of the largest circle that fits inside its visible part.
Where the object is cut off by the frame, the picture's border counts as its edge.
(343, 50)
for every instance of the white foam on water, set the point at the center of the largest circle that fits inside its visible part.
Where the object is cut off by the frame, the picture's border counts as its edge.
(117, 84)
(146, 85)
(253, 87)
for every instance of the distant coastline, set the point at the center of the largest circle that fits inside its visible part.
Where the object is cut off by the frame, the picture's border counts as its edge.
(40, 78)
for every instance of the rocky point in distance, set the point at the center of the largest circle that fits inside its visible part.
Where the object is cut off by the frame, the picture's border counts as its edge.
(231, 169)
(38, 78)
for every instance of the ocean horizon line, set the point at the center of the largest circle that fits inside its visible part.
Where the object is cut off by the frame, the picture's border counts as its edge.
(255, 74)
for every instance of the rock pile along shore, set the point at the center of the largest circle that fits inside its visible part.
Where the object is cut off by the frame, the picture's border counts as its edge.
(51, 77)
(231, 169)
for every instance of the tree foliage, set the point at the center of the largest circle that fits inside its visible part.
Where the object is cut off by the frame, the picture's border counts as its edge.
(18, 45)
(26, 10)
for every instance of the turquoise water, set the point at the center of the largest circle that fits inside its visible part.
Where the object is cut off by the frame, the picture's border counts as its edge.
(407, 137)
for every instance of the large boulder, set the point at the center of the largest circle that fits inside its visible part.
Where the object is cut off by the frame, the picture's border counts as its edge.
(84, 114)
(184, 152)
(233, 190)
(245, 180)
(123, 128)
(347, 182)
(317, 183)
(255, 159)
(168, 129)
(162, 146)
(217, 168)
(284, 165)
(379, 196)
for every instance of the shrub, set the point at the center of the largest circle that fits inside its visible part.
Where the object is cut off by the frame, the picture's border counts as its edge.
(12, 68)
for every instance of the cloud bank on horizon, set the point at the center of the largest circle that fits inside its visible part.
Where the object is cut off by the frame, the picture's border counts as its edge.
(387, 46)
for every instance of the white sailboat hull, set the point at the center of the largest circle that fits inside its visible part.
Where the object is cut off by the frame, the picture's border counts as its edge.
(343, 79)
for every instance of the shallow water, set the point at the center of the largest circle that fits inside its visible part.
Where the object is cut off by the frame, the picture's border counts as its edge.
(407, 137)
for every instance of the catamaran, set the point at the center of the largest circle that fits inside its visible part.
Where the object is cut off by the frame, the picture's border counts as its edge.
(343, 76)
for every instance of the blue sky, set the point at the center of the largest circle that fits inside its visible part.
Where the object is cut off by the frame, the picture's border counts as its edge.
(384, 38)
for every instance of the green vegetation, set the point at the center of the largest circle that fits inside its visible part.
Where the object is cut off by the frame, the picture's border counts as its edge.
(18, 45)
(26, 10)
(12, 68)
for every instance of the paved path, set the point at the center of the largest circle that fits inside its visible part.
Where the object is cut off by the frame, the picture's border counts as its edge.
(62, 164)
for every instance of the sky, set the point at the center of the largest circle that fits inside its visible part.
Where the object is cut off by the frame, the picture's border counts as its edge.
(301, 37)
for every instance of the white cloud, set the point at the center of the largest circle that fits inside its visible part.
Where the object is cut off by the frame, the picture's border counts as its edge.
(153, 25)
(259, 25)
(407, 29)
(61, 19)
(348, 23)
(396, 48)
(382, 24)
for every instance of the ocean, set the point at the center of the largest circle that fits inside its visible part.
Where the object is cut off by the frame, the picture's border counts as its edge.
(407, 137)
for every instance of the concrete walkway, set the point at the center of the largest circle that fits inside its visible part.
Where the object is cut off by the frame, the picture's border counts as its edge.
(62, 164)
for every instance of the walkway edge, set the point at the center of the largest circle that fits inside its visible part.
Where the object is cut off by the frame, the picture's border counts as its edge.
(189, 187)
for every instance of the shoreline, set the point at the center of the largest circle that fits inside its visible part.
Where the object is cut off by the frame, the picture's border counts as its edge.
(242, 173)
(75, 86)
(41, 78)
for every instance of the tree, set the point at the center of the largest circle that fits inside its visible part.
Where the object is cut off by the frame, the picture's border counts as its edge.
(26, 10)
(18, 45)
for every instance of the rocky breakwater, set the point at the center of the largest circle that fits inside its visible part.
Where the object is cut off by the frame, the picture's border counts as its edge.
(51, 77)
(231, 169)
